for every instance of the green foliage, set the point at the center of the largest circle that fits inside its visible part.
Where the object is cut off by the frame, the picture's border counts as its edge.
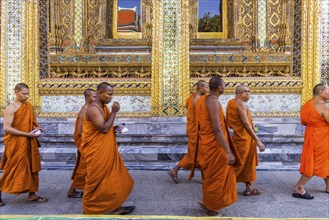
(210, 24)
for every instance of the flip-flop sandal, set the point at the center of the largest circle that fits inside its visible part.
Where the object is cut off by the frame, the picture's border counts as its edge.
(304, 196)
(173, 176)
(123, 210)
(38, 199)
(77, 194)
(253, 192)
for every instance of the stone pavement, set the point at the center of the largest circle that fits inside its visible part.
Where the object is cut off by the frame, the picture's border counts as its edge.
(155, 194)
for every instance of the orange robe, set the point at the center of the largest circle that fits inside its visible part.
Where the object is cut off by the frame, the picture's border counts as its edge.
(243, 142)
(79, 172)
(219, 180)
(21, 159)
(315, 154)
(108, 183)
(187, 161)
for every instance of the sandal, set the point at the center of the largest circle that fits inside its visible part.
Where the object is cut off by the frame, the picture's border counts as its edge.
(253, 192)
(38, 199)
(77, 194)
(2, 203)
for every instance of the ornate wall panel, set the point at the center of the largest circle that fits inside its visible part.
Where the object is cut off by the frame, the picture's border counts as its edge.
(61, 22)
(325, 42)
(95, 14)
(273, 19)
(246, 15)
(297, 39)
(43, 37)
(78, 14)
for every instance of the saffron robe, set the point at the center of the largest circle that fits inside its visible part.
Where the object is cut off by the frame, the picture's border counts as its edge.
(187, 161)
(79, 172)
(219, 180)
(243, 142)
(21, 159)
(108, 183)
(315, 154)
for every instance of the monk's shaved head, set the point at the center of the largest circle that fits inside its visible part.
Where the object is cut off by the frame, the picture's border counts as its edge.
(88, 92)
(200, 84)
(240, 88)
(21, 86)
(215, 82)
(318, 88)
(102, 86)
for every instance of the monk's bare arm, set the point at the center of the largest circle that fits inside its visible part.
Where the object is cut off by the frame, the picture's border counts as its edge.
(325, 112)
(213, 110)
(95, 115)
(81, 115)
(8, 118)
(245, 123)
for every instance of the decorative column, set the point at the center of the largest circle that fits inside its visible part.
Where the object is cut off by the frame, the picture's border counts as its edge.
(325, 42)
(311, 14)
(11, 48)
(170, 57)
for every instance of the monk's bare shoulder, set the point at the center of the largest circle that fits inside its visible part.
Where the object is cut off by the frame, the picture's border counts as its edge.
(212, 102)
(11, 108)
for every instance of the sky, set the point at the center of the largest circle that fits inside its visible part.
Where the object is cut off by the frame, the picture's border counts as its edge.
(211, 6)
(130, 4)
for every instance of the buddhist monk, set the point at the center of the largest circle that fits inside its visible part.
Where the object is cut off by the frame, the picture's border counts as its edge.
(188, 159)
(315, 155)
(79, 172)
(244, 138)
(216, 154)
(21, 159)
(108, 183)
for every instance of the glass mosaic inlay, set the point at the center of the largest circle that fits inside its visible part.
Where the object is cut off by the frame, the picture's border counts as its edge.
(14, 54)
(262, 22)
(325, 42)
(170, 53)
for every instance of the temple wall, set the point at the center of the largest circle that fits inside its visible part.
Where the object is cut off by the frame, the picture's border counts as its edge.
(60, 48)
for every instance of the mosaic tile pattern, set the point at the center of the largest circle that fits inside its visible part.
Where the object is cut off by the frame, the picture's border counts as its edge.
(74, 103)
(78, 7)
(170, 53)
(14, 46)
(43, 40)
(262, 22)
(325, 42)
(269, 102)
(297, 39)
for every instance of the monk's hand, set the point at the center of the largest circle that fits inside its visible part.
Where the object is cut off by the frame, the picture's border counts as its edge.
(33, 133)
(41, 129)
(230, 158)
(261, 146)
(115, 107)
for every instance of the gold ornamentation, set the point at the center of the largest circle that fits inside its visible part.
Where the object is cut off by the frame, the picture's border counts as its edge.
(310, 46)
(3, 49)
(77, 86)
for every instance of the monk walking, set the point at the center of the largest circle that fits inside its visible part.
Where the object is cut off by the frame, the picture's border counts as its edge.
(188, 159)
(108, 183)
(217, 155)
(315, 155)
(79, 172)
(244, 138)
(21, 159)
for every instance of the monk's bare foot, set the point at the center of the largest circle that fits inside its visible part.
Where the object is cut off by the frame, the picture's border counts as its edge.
(173, 175)
(212, 213)
(2, 203)
(300, 190)
(36, 198)
(72, 193)
(122, 210)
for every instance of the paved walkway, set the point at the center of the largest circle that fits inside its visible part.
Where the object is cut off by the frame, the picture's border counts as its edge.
(155, 194)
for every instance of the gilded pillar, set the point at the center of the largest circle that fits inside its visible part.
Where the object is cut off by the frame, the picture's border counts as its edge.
(170, 57)
(311, 14)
